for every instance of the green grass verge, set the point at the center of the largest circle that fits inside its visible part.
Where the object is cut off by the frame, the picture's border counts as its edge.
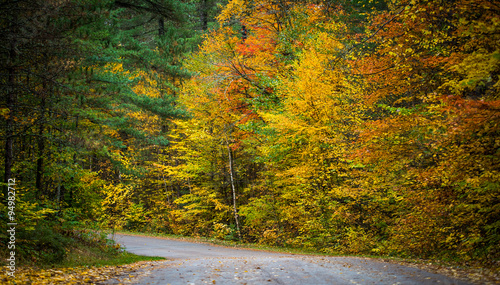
(84, 255)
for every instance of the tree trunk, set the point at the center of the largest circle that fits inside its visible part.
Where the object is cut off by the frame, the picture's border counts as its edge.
(41, 148)
(161, 27)
(204, 15)
(9, 157)
(233, 189)
(9, 127)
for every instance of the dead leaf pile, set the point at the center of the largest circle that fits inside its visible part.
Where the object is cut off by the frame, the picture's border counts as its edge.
(120, 274)
(484, 276)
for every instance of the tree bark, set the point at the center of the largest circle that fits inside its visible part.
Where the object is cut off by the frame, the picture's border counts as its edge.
(41, 148)
(233, 188)
(204, 15)
(11, 105)
(161, 26)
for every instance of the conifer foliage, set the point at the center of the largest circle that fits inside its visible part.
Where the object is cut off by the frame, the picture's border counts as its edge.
(88, 92)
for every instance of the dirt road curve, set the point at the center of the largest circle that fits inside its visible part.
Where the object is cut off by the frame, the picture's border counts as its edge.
(198, 263)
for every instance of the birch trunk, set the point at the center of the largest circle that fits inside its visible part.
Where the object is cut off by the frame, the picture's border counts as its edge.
(233, 189)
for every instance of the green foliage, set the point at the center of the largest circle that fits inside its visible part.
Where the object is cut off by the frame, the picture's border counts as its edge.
(91, 90)
(45, 245)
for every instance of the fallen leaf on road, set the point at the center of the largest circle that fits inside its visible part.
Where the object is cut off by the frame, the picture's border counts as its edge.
(77, 275)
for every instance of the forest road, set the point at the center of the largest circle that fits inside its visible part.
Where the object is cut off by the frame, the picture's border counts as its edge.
(200, 263)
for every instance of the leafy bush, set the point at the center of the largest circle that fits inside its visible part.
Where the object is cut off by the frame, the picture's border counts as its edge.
(44, 245)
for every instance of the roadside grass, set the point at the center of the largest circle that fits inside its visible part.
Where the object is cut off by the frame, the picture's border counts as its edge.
(81, 255)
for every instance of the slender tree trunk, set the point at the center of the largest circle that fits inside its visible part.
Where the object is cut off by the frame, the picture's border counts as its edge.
(9, 157)
(41, 148)
(39, 163)
(77, 121)
(189, 185)
(178, 189)
(165, 186)
(9, 127)
(204, 15)
(161, 27)
(233, 189)
(58, 195)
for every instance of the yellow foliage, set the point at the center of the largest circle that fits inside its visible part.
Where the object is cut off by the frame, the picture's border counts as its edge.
(475, 69)
(232, 9)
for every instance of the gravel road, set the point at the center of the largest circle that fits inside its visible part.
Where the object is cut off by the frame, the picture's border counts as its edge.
(200, 263)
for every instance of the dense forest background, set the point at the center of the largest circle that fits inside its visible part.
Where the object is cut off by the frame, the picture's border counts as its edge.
(357, 127)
